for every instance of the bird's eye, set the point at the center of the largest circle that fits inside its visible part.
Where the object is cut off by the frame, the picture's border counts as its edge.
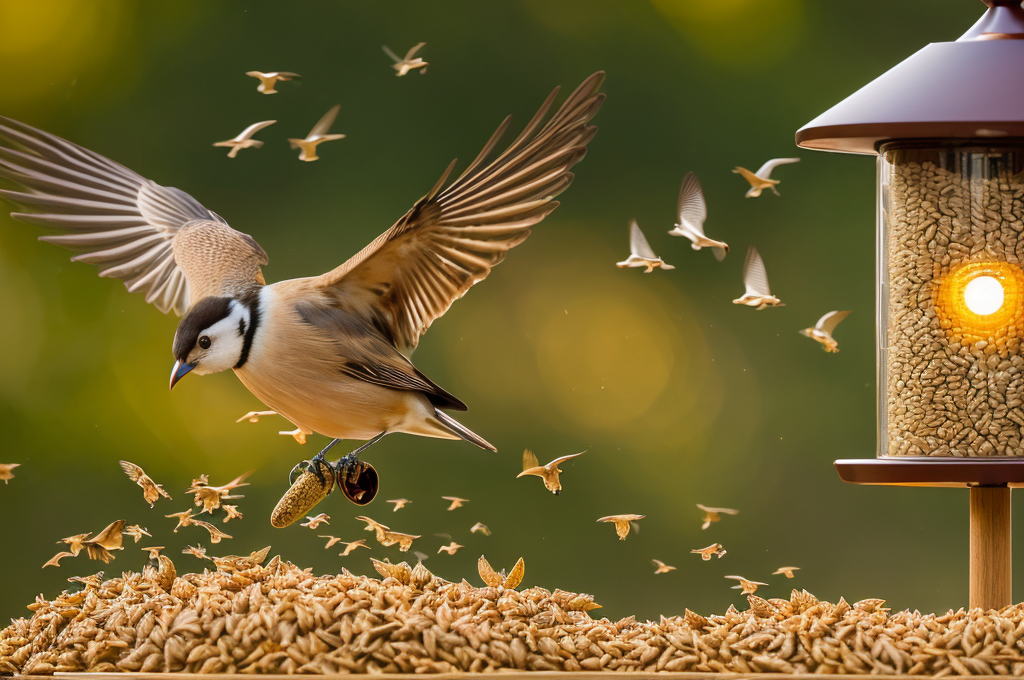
(205, 342)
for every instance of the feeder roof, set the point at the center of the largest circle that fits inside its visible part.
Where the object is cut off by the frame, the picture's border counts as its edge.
(969, 89)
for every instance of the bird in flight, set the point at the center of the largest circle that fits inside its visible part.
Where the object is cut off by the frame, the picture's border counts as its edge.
(640, 252)
(746, 586)
(549, 473)
(410, 62)
(456, 502)
(451, 548)
(755, 279)
(151, 491)
(785, 571)
(692, 211)
(399, 503)
(481, 527)
(822, 331)
(330, 353)
(7, 471)
(713, 550)
(269, 80)
(244, 140)
(622, 523)
(762, 179)
(353, 545)
(714, 514)
(318, 135)
(315, 522)
(662, 568)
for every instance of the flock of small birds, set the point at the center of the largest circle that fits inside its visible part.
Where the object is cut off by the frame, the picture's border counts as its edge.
(692, 212)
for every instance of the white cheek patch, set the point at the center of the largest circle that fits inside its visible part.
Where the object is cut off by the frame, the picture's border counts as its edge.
(227, 337)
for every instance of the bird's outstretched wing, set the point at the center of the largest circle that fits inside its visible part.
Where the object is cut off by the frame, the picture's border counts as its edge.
(691, 207)
(558, 461)
(530, 459)
(755, 276)
(765, 171)
(324, 124)
(133, 471)
(829, 322)
(413, 50)
(387, 51)
(452, 237)
(111, 216)
(253, 129)
(638, 244)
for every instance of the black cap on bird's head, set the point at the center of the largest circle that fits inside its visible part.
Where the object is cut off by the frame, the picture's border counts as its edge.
(214, 335)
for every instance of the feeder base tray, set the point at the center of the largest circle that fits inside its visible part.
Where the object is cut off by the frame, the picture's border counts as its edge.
(957, 473)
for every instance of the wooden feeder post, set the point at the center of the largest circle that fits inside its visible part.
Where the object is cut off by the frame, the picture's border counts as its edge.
(947, 125)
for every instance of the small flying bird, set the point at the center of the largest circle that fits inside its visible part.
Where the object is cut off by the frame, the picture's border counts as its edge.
(399, 503)
(421, 556)
(215, 534)
(315, 522)
(316, 136)
(822, 331)
(787, 571)
(714, 514)
(350, 546)
(244, 140)
(209, 497)
(374, 525)
(254, 416)
(481, 527)
(456, 501)
(404, 541)
(755, 278)
(55, 560)
(692, 211)
(99, 547)
(713, 550)
(232, 512)
(549, 473)
(151, 491)
(269, 80)
(154, 551)
(761, 180)
(640, 253)
(746, 586)
(622, 523)
(496, 579)
(195, 551)
(662, 568)
(409, 63)
(331, 540)
(6, 473)
(75, 543)
(136, 532)
(184, 519)
(451, 548)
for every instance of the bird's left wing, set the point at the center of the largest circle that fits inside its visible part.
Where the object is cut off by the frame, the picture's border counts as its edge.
(638, 244)
(452, 237)
(691, 207)
(765, 171)
(413, 50)
(558, 461)
(755, 276)
(324, 124)
(829, 322)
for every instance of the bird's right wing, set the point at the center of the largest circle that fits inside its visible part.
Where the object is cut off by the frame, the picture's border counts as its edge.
(755, 276)
(638, 244)
(558, 461)
(691, 206)
(765, 171)
(530, 459)
(253, 129)
(387, 51)
(829, 322)
(413, 50)
(133, 471)
(323, 125)
(113, 217)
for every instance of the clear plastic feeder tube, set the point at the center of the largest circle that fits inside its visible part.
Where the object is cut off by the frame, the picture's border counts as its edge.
(950, 300)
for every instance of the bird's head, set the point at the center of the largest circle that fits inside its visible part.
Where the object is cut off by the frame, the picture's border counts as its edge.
(211, 337)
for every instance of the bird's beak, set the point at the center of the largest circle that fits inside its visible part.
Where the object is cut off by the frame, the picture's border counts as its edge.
(179, 371)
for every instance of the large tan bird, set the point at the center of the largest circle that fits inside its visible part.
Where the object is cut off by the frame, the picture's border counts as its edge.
(330, 353)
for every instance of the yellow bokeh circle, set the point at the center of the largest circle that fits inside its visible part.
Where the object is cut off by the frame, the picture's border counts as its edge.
(951, 303)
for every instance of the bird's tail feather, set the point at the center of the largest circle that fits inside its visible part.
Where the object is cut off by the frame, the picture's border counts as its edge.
(462, 431)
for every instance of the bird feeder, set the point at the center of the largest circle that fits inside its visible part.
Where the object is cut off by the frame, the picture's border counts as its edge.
(947, 126)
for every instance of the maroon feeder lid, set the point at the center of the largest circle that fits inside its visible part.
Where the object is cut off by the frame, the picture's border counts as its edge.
(971, 89)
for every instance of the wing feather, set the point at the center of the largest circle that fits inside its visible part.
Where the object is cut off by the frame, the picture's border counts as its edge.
(691, 206)
(113, 217)
(755, 276)
(829, 322)
(765, 171)
(453, 237)
(638, 244)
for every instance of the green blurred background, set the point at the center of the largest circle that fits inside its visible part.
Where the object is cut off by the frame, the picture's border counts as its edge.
(679, 396)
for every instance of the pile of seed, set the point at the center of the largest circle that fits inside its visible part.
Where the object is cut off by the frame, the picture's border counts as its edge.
(282, 619)
(949, 394)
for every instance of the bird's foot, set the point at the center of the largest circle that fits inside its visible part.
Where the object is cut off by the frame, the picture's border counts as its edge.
(317, 465)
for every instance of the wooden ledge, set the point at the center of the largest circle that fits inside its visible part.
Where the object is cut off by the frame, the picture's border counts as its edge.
(937, 472)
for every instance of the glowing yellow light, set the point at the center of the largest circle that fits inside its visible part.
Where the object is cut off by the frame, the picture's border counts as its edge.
(983, 295)
(981, 301)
